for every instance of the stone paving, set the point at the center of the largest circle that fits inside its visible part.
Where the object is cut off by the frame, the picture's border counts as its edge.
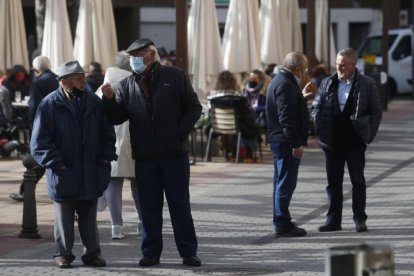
(232, 211)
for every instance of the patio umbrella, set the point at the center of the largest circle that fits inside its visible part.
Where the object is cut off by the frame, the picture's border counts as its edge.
(291, 35)
(271, 30)
(93, 38)
(241, 39)
(297, 43)
(107, 11)
(325, 52)
(204, 49)
(13, 47)
(57, 41)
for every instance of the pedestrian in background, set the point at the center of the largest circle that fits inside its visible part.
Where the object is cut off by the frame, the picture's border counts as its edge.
(162, 109)
(346, 114)
(74, 141)
(45, 82)
(124, 167)
(255, 92)
(17, 83)
(95, 77)
(288, 122)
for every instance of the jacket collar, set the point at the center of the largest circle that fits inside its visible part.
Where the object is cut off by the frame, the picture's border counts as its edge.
(289, 75)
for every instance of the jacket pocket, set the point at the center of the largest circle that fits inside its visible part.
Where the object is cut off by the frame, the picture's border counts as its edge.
(65, 183)
(362, 127)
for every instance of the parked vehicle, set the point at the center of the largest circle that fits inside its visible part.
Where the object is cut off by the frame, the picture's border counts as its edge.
(399, 58)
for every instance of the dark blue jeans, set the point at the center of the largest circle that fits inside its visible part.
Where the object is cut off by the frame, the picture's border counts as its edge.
(172, 176)
(335, 164)
(284, 182)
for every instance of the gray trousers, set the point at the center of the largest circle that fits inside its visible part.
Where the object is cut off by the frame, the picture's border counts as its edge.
(114, 199)
(88, 229)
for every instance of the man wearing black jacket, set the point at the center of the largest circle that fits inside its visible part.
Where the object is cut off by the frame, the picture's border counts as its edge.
(44, 83)
(346, 113)
(162, 109)
(287, 125)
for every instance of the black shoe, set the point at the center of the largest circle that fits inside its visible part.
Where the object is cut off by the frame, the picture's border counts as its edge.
(360, 226)
(96, 261)
(291, 231)
(16, 196)
(192, 261)
(63, 262)
(330, 227)
(149, 261)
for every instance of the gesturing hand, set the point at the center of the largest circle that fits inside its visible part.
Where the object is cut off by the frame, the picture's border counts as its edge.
(107, 91)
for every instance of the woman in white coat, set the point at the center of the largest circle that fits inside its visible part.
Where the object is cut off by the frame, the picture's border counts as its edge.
(123, 168)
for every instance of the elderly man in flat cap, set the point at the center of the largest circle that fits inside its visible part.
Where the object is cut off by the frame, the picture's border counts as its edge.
(162, 109)
(73, 140)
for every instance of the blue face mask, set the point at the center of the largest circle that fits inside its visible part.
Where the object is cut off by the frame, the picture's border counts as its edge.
(137, 64)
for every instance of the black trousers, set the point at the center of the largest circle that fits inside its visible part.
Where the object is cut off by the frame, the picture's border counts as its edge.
(335, 165)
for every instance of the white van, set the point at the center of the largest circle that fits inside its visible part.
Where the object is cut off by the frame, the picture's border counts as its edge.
(399, 58)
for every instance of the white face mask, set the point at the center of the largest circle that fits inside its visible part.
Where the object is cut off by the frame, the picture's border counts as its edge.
(137, 64)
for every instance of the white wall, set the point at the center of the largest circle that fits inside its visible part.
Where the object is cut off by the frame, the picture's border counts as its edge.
(159, 25)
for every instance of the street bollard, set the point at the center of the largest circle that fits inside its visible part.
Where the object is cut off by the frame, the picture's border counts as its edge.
(29, 223)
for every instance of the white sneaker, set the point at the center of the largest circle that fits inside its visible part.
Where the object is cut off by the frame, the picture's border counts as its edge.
(117, 232)
(139, 229)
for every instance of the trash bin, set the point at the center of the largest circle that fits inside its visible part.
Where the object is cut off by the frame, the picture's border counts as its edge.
(360, 260)
(377, 73)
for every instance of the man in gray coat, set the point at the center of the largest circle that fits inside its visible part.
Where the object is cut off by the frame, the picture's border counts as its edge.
(75, 142)
(346, 114)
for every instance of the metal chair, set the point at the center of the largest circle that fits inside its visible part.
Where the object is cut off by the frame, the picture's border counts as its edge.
(224, 122)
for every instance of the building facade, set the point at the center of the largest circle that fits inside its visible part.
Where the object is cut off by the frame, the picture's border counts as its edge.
(351, 20)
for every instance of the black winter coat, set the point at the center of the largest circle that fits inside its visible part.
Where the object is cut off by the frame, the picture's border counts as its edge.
(161, 123)
(287, 114)
(366, 109)
(41, 87)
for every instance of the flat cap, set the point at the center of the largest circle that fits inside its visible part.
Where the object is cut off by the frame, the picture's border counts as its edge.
(139, 44)
(67, 69)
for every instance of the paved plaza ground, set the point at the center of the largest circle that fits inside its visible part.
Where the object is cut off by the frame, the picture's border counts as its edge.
(232, 211)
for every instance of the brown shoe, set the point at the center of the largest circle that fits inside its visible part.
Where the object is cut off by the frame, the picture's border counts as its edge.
(63, 262)
(96, 261)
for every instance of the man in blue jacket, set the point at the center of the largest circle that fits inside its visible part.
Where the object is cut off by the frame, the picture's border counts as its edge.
(75, 142)
(162, 109)
(287, 125)
(346, 113)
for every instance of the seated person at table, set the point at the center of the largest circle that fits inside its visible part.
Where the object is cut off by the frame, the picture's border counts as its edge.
(226, 95)
(255, 92)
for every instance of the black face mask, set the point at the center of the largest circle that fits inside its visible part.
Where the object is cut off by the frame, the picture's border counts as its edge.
(252, 84)
(76, 92)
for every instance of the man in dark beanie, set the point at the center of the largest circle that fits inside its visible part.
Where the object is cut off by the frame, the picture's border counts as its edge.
(75, 142)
